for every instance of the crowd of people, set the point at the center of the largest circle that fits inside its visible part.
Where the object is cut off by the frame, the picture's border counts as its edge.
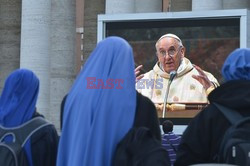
(106, 102)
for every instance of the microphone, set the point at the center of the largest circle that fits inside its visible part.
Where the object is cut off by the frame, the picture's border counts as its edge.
(172, 75)
(171, 78)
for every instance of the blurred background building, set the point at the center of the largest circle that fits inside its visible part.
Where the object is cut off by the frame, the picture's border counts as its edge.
(55, 37)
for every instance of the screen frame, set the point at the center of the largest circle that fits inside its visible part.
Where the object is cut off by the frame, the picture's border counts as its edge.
(102, 19)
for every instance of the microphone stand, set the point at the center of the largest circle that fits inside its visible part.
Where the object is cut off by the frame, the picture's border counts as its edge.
(172, 75)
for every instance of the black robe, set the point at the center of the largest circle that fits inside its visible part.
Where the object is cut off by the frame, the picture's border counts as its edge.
(44, 144)
(146, 115)
(201, 140)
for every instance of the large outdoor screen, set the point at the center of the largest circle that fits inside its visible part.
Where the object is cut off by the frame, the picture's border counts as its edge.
(208, 41)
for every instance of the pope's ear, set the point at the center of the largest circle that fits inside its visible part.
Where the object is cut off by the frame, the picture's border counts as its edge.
(156, 54)
(183, 50)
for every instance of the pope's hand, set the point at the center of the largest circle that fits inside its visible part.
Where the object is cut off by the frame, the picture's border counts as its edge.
(202, 78)
(137, 73)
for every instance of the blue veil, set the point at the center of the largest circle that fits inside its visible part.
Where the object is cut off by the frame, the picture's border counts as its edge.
(100, 107)
(237, 65)
(18, 101)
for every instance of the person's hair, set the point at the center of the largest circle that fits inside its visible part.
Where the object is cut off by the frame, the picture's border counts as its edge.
(171, 36)
(167, 126)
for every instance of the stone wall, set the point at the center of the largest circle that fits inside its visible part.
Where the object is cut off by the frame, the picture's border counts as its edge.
(91, 10)
(10, 33)
(63, 54)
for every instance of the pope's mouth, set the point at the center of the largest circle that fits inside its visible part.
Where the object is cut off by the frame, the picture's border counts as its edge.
(169, 66)
(169, 63)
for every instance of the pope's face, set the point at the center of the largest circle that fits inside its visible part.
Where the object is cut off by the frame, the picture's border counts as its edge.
(170, 54)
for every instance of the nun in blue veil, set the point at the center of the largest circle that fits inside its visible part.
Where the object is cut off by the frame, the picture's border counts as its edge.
(18, 101)
(203, 139)
(18, 106)
(100, 107)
